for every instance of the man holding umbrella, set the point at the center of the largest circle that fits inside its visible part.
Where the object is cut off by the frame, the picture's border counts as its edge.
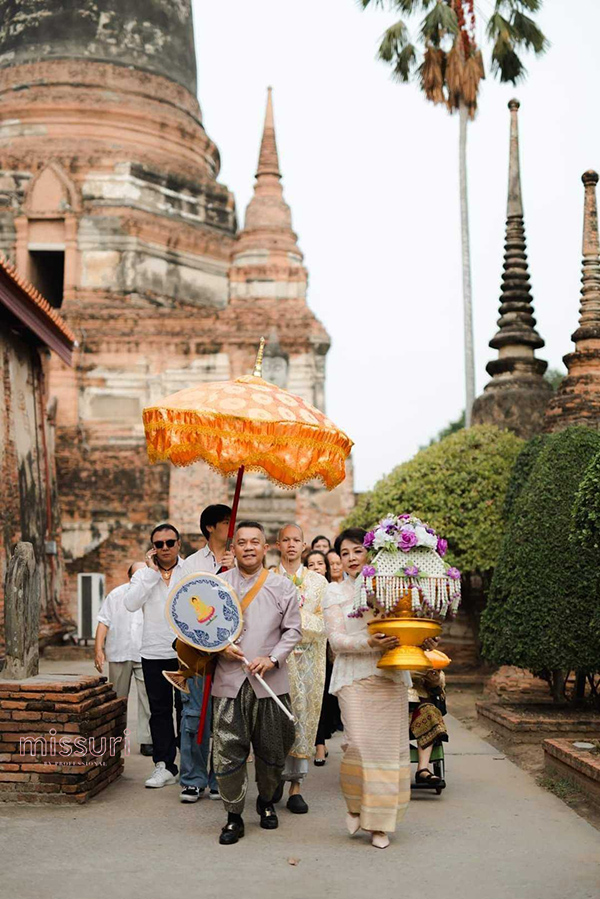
(243, 712)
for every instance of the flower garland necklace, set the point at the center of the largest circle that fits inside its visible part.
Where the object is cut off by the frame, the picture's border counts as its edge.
(297, 581)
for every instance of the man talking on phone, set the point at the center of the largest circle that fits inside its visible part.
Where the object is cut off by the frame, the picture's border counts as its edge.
(148, 591)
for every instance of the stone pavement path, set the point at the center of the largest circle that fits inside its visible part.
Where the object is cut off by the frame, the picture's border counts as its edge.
(494, 834)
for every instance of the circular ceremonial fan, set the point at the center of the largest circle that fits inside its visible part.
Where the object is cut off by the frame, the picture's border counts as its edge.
(204, 612)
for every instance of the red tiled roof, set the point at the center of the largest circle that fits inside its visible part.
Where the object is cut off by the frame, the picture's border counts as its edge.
(35, 312)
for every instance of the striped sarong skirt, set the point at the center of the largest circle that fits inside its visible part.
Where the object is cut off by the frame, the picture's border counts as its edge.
(375, 771)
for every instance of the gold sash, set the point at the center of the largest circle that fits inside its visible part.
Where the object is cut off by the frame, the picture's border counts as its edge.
(253, 591)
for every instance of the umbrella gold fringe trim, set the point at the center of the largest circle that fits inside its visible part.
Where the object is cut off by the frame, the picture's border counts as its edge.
(297, 433)
(331, 442)
(333, 478)
(250, 442)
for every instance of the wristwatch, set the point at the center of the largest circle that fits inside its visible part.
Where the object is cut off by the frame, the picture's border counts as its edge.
(274, 660)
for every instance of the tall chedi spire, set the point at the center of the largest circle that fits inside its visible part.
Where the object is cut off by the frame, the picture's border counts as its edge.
(268, 277)
(517, 395)
(268, 223)
(577, 401)
(267, 289)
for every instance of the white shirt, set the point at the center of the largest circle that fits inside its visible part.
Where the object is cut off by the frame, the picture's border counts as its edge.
(348, 638)
(203, 560)
(148, 591)
(124, 637)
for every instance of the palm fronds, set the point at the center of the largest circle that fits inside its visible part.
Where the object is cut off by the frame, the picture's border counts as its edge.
(431, 73)
(455, 73)
(452, 74)
(393, 41)
(405, 63)
(528, 34)
(508, 34)
(516, 5)
(463, 75)
(438, 23)
(411, 6)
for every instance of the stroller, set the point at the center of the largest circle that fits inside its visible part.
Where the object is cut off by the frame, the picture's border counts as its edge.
(438, 763)
(428, 696)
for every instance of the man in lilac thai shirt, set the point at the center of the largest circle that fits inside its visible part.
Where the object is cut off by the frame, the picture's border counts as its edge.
(243, 712)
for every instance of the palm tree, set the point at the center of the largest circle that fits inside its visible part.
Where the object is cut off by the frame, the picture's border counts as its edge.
(449, 68)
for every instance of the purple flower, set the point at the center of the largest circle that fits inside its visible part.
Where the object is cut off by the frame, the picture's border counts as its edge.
(368, 541)
(369, 571)
(407, 539)
(442, 546)
(430, 530)
(454, 573)
(411, 571)
(404, 515)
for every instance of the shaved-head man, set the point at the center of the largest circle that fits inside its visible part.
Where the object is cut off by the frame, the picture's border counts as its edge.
(306, 664)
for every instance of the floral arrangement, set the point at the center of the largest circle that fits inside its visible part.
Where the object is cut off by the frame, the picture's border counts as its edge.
(407, 573)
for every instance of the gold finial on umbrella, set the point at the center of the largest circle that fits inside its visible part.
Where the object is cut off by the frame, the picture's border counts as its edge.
(257, 373)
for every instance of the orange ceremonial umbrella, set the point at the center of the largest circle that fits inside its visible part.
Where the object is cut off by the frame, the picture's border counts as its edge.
(247, 424)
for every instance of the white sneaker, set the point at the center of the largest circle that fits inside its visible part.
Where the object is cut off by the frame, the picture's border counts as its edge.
(161, 777)
(214, 794)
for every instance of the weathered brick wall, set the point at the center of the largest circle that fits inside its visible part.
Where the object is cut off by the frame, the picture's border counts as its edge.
(29, 509)
(155, 35)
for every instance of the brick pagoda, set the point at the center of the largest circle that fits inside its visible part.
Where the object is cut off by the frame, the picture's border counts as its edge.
(577, 400)
(110, 205)
(517, 396)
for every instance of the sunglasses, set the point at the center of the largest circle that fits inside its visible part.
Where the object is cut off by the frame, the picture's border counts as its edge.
(158, 544)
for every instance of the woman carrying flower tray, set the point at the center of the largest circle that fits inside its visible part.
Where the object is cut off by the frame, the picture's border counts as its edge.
(408, 582)
(375, 771)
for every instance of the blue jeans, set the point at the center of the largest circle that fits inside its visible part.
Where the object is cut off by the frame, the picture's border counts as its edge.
(195, 761)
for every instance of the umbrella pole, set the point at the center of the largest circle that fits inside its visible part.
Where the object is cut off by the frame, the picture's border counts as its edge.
(234, 507)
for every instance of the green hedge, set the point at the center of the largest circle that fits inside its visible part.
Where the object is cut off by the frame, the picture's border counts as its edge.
(586, 509)
(457, 485)
(544, 591)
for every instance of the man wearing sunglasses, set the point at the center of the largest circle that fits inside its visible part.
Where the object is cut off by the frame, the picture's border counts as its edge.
(148, 590)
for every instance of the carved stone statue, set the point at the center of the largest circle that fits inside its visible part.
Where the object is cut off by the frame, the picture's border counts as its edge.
(275, 365)
(22, 614)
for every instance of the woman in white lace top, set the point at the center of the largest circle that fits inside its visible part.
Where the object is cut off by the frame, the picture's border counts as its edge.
(375, 771)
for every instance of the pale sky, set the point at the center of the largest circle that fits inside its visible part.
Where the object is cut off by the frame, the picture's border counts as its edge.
(370, 170)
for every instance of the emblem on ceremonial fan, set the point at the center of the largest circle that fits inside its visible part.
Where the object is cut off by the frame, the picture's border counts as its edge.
(204, 611)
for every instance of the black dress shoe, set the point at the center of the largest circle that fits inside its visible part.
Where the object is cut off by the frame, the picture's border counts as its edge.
(268, 815)
(278, 793)
(146, 749)
(297, 805)
(231, 833)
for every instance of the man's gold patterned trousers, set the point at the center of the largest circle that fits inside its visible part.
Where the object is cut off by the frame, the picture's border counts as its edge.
(239, 723)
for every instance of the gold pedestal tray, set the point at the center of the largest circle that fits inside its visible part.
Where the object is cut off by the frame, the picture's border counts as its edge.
(411, 633)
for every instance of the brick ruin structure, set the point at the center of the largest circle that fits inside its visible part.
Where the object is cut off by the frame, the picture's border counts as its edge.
(517, 395)
(63, 738)
(30, 329)
(110, 205)
(577, 400)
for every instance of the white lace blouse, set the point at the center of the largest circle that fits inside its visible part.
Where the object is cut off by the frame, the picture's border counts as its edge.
(348, 638)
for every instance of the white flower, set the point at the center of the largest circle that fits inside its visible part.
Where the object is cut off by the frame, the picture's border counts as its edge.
(424, 538)
(383, 540)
